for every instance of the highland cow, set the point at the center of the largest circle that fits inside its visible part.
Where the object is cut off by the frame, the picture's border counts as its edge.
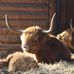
(67, 37)
(29, 35)
(20, 62)
(46, 47)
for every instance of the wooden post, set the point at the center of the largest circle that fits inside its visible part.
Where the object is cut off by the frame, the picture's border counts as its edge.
(58, 8)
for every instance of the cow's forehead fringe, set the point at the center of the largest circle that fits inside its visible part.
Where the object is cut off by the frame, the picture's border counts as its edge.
(32, 29)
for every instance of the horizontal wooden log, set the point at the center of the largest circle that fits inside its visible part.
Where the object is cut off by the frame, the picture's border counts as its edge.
(24, 9)
(9, 39)
(33, 5)
(26, 1)
(20, 17)
(10, 47)
(6, 49)
(5, 31)
(22, 24)
(3, 12)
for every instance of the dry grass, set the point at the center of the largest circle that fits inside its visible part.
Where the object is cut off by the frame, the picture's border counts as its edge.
(57, 68)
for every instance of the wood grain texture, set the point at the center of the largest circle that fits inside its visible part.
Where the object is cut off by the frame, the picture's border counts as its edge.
(9, 39)
(26, 1)
(24, 17)
(22, 24)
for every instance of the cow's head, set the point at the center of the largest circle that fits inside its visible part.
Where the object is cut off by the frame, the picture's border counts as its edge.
(29, 39)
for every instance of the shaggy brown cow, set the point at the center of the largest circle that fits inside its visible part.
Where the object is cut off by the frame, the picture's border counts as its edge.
(29, 35)
(46, 47)
(67, 37)
(19, 62)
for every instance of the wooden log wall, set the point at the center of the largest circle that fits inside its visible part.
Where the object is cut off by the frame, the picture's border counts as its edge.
(21, 14)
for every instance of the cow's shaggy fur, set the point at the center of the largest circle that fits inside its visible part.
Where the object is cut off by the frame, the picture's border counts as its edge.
(46, 47)
(20, 62)
(67, 37)
(29, 39)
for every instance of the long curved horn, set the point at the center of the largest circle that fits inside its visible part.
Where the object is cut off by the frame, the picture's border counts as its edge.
(71, 24)
(7, 24)
(51, 25)
(72, 29)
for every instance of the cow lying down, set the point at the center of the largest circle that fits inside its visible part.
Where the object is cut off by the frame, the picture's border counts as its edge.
(19, 62)
(67, 37)
(46, 47)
